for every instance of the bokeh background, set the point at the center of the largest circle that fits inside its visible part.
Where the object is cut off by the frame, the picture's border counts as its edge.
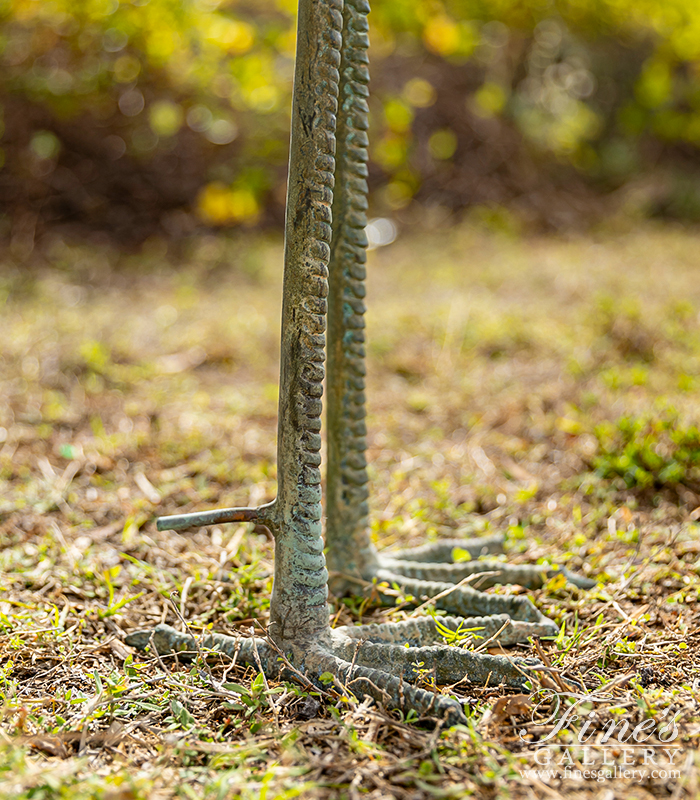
(142, 118)
(533, 354)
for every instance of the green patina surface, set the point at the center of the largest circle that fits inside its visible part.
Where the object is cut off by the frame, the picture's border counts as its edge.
(324, 275)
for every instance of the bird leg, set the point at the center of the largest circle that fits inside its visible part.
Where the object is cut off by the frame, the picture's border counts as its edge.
(377, 661)
(353, 560)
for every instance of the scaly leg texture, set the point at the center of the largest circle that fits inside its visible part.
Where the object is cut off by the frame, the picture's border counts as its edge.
(371, 660)
(381, 670)
(353, 560)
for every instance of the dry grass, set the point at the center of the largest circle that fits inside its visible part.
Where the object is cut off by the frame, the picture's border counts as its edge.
(546, 388)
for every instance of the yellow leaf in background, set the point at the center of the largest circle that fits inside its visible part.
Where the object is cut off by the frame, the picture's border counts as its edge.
(556, 583)
(398, 194)
(398, 115)
(163, 44)
(24, 11)
(655, 85)
(419, 93)
(263, 98)
(219, 204)
(126, 69)
(287, 42)
(442, 144)
(212, 203)
(568, 425)
(244, 206)
(418, 401)
(489, 99)
(526, 494)
(391, 151)
(234, 36)
(441, 35)
(166, 118)
(45, 144)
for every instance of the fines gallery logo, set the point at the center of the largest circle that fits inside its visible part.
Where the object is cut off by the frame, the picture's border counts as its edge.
(574, 736)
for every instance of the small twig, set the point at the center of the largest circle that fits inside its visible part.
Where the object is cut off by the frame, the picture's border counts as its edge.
(154, 649)
(234, 659)
(444, 592)
(378, 689)
(183, 596)
(257, 658)
(258, 661)
(544, 658)
(360, 642)
(495, 636)
(186, 625)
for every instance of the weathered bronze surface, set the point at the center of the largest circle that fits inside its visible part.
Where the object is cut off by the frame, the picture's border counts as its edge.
(325, 232)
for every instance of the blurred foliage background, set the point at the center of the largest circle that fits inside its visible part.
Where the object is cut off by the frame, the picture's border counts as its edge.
(143, 117)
